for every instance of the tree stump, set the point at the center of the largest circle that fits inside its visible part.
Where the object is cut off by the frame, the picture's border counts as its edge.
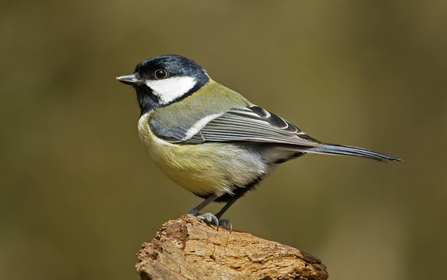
(188, 248)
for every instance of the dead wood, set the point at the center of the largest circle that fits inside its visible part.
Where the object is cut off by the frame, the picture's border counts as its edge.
(188, 248)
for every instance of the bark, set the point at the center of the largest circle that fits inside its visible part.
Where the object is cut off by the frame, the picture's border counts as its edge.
(188, 248)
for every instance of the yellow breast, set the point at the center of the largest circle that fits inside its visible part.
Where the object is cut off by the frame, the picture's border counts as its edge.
(202, 168)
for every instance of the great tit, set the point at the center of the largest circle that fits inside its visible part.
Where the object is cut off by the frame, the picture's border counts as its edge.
(209, 139)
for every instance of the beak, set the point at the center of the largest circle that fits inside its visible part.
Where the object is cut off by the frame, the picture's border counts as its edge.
(129, 79)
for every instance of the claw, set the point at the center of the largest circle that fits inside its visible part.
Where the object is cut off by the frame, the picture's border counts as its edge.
(226, 224)
(208, 217)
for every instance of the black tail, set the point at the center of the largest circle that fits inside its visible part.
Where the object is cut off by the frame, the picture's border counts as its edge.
(342, 150)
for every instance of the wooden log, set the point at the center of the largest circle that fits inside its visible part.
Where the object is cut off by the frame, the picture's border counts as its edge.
(188, 248)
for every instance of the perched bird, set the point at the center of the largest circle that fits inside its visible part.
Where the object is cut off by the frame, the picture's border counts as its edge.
(209, 139)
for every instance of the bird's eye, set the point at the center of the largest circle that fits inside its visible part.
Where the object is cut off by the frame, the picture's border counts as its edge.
(160, 74)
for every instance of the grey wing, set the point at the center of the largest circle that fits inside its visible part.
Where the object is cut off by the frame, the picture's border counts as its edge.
(254, 124)
(251, 124)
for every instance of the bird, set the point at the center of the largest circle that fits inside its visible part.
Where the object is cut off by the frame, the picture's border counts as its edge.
(211, 140)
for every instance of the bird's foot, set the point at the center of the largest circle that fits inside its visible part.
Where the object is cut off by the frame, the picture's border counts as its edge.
(226, 224)
(210, 218)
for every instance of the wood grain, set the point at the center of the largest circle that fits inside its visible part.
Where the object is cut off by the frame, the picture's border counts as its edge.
(188, 248)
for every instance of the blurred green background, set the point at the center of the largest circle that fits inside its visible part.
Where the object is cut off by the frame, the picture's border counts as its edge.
(79, 194)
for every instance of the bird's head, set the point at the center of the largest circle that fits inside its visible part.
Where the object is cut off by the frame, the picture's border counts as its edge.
(165, 79)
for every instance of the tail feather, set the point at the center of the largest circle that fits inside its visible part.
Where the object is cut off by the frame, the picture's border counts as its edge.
(342, 150)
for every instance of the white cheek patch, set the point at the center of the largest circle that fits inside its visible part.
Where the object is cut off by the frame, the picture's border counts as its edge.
(170, 89)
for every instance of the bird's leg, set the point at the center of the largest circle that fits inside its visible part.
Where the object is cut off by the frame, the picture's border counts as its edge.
(226, 207)
(195, 211)
(224, 222)
(208, 217)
